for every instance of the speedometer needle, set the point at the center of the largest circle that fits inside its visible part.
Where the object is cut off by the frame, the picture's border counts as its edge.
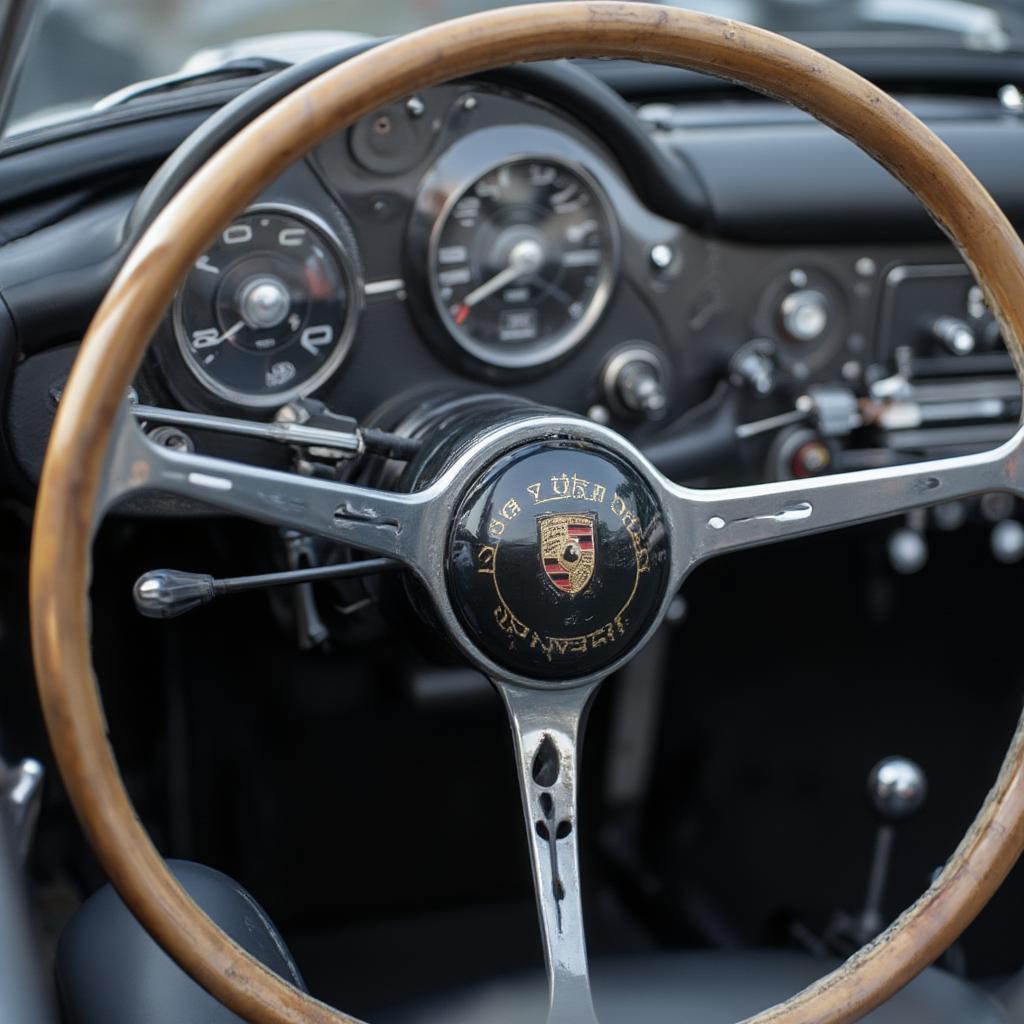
(231, 332)
(526, 257)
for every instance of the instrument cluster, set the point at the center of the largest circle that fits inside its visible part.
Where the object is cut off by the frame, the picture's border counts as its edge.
(506, 250)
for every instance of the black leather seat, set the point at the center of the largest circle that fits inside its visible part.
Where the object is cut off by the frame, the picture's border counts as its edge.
(109, 971)
(700, 988)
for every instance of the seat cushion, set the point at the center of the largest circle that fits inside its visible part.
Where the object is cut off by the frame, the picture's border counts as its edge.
(702, 988)
(109, 971)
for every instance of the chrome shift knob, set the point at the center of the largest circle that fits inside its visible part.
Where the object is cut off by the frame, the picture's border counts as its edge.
(167, 593)
(897, 788)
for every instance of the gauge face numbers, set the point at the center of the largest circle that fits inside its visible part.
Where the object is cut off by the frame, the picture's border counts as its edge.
(522, 262)
(267, 313)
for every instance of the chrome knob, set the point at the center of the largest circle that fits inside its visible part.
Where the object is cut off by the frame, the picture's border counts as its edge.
(805, 314)
(897, 788)
(1007, 541)
(908, 551)
(661, 256)
(634, 382)
(264, 302)
(957, 336)
(754, 364)
(168, 593)
(641, 390)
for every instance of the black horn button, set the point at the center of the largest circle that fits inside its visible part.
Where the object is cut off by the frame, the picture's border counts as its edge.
(558, 561)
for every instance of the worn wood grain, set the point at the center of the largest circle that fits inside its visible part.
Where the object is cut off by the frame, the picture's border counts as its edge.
(143, 290)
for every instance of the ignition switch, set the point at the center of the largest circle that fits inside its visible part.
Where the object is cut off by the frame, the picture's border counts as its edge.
(633, 381)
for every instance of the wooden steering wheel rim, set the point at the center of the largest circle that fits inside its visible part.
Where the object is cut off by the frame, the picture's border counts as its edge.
(129, 315)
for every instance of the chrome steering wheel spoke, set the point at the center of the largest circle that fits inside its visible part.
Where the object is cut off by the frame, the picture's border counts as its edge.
(382, 522)
(717, 521)
(547, 728)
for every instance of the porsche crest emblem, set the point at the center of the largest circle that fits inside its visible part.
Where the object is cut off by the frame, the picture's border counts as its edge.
(568, 551)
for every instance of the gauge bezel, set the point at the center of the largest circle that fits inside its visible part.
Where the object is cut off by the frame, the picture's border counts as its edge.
(346, 335)
(543, 351)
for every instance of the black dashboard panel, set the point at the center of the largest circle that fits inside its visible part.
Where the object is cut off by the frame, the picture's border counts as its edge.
(803, 183)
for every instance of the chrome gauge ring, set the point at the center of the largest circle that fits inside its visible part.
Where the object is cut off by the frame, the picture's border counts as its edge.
(522, 261)
(269, 311)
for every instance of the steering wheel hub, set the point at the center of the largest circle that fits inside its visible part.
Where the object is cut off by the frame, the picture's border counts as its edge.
(558, 560)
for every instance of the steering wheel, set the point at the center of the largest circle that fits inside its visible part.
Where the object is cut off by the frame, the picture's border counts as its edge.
(523, 525)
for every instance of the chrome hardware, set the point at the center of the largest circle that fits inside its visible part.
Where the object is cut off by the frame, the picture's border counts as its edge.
(21, 793)
(754, 364)
(661, 256)
(280, 432)
(1011, 99)
(171, 437)
(957, 336)
(805, 314)
(1007, 541)
(835, 410)
(897, 788)
(634, 382)
(908, 551)
(264, 302)
(168, 593)
(795, 416)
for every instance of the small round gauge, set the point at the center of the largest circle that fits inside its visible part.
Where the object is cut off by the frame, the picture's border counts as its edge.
(268, 311)
(522, 261)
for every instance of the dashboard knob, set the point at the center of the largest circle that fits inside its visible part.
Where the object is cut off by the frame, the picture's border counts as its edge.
(754, 364)
(1007, 541)
(634, 382)
(908, 551)
(957, 336)
(641, 390)
(661, 256)
(805, 314)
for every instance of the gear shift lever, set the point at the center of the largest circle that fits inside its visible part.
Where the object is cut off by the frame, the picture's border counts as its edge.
(897, 789)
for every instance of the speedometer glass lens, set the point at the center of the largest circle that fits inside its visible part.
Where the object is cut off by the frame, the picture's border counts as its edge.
(522, 261)
(267, 313)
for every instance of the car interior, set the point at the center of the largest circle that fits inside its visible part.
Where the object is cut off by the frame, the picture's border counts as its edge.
(380, 386)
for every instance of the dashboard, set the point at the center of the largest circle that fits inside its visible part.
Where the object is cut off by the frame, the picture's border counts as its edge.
(528, 234)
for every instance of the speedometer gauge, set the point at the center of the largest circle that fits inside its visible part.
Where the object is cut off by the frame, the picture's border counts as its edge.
(522, 261)
(268, 312)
